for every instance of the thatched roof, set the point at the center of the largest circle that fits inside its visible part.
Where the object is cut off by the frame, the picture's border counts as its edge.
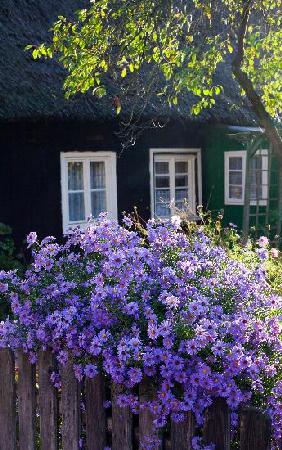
(32, 90)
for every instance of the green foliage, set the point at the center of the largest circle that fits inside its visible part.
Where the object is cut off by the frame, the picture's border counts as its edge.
(274, 273)
(9, 260)
(231, 239)
(8, 257)
(184, 41)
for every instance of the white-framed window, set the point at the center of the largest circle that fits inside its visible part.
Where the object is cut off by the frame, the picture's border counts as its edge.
(235, 177)
(235, 174)
(89, 186)
(173, 180)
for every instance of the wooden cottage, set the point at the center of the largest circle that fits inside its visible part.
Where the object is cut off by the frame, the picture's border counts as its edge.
(62, 160)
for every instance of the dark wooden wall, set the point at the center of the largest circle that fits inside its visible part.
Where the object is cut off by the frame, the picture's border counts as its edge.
(30, 191)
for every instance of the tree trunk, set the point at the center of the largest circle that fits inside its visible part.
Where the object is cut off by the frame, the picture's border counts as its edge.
(264, 119)
(246, 84)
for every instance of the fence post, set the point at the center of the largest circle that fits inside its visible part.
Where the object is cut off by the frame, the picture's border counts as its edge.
(255, 430)
(70, 408)
(122, 429)
(146, 427)
(7, 400)
(95, 413)
(27, 402)
(182, 433)
(217, 425)
(48, 403)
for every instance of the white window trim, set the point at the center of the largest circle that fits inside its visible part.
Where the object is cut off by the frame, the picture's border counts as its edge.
(243, 155)
(175, 151)
(227, 155)
(111, 183)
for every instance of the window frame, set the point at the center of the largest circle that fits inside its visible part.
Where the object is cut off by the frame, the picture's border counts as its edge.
(166, 153)
(227, 155)
(109, 158)
(243, 155)
(264, 169)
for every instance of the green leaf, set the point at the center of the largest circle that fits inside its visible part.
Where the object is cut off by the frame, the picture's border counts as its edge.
(230, 48)
(123, 72)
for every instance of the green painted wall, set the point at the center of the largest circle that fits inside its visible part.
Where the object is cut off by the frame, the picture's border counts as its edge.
(217, 142)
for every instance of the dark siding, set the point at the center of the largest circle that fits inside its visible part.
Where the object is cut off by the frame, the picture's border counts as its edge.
(30, 191)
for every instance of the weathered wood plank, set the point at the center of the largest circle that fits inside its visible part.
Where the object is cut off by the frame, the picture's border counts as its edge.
(95, 413)
(48, 403)
(146, 428)
(217, 425)
(122, 429)
(182, 433)
(255, 430)
(27, 402)
(7, 400)
(70, 408)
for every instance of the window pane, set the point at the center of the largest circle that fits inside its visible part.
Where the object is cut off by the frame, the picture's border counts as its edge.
(76, 206)
(162, 210)
(235, 177)
(97, 175)
(181, 206)
(161, 167)
(235, 163)
(256, 177)
(181, 194)
(235, 192)
(256, 162)
(181, 167)
(162, 182)
(256, 185)
(256, 192)
(75, 176)
(181, 180)
(98, 202)
(162, 195)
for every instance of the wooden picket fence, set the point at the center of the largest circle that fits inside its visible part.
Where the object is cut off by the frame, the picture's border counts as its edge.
(35, 415)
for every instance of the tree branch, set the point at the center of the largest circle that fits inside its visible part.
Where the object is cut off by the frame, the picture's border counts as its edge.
(244, 81)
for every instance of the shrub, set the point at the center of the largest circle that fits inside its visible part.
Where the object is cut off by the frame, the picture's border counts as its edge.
(173, 307)
(8, 260)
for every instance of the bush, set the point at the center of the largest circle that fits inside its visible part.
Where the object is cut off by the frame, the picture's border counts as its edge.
(8, 260)
(199, 320)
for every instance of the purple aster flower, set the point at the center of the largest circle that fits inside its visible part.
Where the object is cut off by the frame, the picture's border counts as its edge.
(31, 238)
(90, 370)
(263, 241)
(4, 287)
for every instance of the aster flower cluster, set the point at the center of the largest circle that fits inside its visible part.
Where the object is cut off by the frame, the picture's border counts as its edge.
(173, 308)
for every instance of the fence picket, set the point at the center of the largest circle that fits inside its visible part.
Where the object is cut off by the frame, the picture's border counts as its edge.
(70, 408)
(217, 425)
(255, 426)
(255, 430)
(95, 413)
(48, 403)
(27, 402)
(146, 428)
(7, 400)
(122, 429)
(182, 433)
